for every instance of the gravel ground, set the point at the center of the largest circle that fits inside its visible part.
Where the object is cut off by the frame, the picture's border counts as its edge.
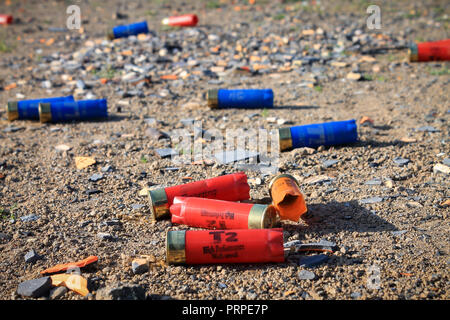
(381, 212)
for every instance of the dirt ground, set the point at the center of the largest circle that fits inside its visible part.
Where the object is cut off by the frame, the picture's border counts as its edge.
(404, 233)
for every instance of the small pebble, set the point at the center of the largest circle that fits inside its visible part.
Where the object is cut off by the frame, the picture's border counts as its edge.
(96, 177)
(306, 275)
(32, 256)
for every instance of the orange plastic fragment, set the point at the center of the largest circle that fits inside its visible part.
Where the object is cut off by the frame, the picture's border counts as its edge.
(365, 119)
(127, 53)
(74, 282)
(406, 274)
(66, 266)
(103, 80)
(11, 86)
(169, 77)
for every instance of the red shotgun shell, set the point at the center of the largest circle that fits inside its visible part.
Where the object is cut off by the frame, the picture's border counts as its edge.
(219, 214)
(224, 246)
(430, 51)
(231, 187)
(187, 20)
(5, 19)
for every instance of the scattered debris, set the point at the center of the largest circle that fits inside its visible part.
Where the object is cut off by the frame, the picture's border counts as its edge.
(84, 162)
(74, 282)
(64, 267)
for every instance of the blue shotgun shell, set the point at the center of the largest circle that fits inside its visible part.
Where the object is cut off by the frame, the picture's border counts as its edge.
(29, 109)
(240, 98)
(76, 110)
(314, 135)
(128, 30)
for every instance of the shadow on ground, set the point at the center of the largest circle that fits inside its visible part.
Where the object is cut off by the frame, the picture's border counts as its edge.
(333, 217)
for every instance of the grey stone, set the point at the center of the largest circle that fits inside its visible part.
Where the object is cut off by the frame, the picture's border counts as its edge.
(306, 275)
(427, 129)
(137, 206)
(121, 292)
(96, 177)
(329, 163)
(138, 267)
(12, 129)
(81, 85)
(187, 122)
(112, 222)
(150, 121)
(327, 243)
(4, 236)
(401, 161)
(57, 293)
(222, 285)
(446, 161)
(106, 236)
(32, 256)
(355, 295)
(35, 288)
(106, 168)
(46, 84)
(29, 218)
(92, 191)
(371, 200)
(398, 233)
(374, 182)
(167, 152)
